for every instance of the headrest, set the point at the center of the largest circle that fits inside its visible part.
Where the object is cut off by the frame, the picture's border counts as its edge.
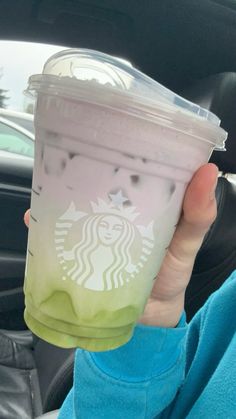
(218, 94)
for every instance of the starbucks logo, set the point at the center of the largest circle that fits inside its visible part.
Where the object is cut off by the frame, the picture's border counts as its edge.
(103, 257)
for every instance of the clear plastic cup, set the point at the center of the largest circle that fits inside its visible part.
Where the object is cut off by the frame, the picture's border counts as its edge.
(115, 151)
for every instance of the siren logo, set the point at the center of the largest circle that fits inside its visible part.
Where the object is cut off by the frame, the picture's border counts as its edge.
(103, 257)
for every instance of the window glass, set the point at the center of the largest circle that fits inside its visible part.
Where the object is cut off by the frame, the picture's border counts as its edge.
(14, 141)
(19, 60)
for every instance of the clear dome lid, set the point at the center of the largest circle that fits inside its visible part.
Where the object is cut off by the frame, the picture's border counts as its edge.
(97, 78)
(114, 73)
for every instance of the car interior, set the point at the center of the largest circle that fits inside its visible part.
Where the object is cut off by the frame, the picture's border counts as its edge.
(188, 46)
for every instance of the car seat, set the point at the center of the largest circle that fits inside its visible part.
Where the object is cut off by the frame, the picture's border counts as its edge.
(35, 376)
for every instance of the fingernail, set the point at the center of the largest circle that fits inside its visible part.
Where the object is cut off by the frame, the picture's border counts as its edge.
(212, 193)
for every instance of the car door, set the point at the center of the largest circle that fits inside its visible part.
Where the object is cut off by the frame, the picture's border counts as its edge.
(15, 190)
(15, 139)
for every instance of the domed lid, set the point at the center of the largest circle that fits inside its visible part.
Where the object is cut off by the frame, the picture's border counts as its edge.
(100, 78)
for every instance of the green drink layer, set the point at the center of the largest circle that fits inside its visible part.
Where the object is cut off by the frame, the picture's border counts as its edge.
(66, 340)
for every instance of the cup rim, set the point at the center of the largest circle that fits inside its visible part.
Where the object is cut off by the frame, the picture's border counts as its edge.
(159, 112)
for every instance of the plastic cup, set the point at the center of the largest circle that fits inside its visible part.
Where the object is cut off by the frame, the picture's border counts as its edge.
(114, 153)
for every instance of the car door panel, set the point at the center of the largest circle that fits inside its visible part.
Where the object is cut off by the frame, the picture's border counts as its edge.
(15, 191)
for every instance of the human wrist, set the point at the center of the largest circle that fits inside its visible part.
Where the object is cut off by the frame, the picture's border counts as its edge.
(164, 314)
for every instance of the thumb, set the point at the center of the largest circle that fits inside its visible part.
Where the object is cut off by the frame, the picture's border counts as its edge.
(166, 302)
(199, 212)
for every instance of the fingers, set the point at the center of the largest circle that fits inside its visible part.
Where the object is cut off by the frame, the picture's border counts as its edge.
(199, 212)
(26, 218)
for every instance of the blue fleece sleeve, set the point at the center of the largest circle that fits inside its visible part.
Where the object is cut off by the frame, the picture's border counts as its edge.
(137, 381)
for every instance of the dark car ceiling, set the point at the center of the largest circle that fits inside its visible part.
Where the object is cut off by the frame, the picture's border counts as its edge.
(174, 41)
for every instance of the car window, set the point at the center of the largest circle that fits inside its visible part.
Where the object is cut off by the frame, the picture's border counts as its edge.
(28, 58)
(14, 141)
(27, 124)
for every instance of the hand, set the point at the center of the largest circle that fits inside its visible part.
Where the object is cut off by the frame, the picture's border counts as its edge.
(166, 301)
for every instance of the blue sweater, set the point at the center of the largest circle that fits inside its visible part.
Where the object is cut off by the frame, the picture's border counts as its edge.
(186, 372)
